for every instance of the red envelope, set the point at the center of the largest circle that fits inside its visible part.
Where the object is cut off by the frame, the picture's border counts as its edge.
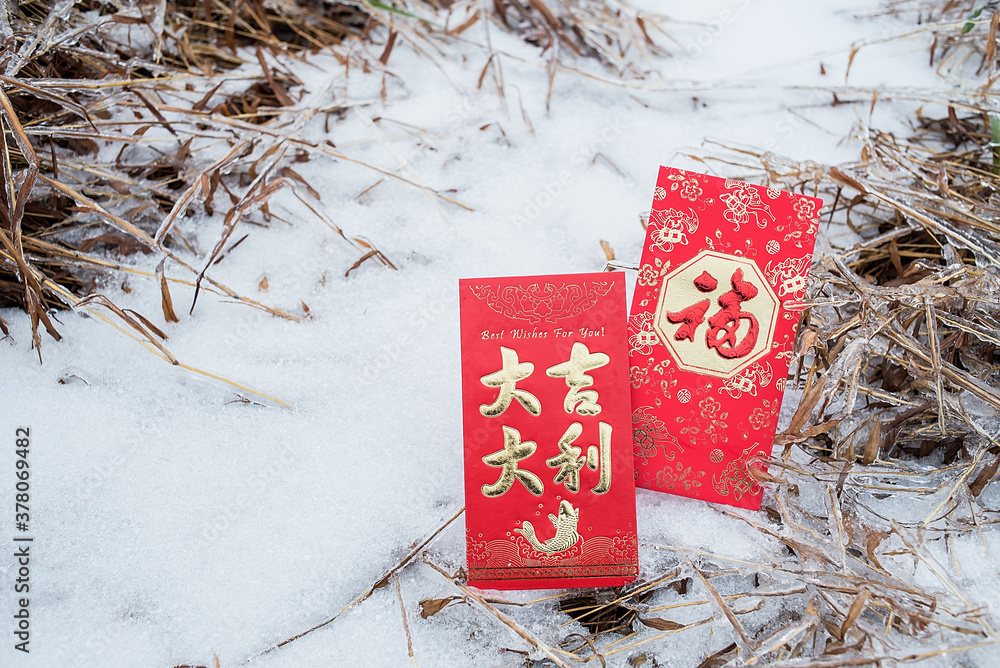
(711, 331)
(549, 481)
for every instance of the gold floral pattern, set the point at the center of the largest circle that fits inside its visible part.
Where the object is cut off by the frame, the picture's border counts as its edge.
(805, 209)
(805, 224)
(690, 190)
(764, 415)
(648, 276)
(688, 185)
(677, 475)
(638, 376)
(542, 302)
(704, 427)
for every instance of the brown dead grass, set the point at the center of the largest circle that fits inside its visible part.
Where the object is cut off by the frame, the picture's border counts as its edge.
(153, 85)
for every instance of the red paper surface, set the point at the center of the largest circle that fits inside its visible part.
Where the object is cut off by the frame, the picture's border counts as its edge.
(711, 331)
(544, 360)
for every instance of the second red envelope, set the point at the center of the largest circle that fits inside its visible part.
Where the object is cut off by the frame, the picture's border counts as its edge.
(711, 331)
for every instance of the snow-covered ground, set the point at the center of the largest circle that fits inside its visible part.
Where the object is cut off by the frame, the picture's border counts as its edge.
(174, 522)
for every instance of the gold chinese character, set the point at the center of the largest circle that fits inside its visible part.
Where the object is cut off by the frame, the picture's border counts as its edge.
(569, 461)
(574, 371)
(604, 480)
(506, 379)
(513, 452)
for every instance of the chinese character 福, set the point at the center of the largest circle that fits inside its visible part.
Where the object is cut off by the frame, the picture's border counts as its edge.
(724, 325)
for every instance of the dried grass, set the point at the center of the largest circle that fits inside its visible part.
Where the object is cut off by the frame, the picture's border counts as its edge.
(154, 85)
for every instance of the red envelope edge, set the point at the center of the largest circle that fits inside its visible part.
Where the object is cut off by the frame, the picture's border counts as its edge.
(549, 476)
(712, 329)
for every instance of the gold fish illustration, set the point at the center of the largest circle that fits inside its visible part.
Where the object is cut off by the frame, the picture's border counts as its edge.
(565, 525)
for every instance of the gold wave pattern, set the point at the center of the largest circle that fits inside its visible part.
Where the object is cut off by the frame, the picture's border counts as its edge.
(598, 556)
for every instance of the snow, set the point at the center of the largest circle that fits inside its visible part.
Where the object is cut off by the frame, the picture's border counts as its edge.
(174, 521)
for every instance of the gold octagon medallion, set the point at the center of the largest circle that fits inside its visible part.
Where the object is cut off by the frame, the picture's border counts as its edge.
(716, 314)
